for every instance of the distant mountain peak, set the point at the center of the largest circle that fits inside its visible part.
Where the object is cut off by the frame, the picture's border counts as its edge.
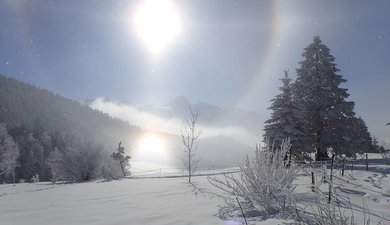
(179, 101)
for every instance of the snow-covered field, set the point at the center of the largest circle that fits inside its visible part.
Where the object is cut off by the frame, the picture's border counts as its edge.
(148, 200)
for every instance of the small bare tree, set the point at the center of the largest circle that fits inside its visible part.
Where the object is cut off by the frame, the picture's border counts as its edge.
(189, 138)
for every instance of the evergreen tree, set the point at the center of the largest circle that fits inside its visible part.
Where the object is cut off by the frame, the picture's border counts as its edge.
(31, 156)
(46, 142)
(9, 153)
(322, 101)
(122, 159)
(360, 139)
(284, 122)
(375, 145)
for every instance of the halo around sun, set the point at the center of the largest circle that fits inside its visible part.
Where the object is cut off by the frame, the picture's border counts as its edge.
(157, 23)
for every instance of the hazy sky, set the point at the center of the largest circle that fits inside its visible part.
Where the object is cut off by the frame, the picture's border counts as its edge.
(228, 53)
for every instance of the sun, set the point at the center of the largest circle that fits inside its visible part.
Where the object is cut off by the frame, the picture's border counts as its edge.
(157, 23)
(151, 148)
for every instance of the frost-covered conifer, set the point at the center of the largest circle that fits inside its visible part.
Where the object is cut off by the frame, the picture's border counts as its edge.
(122, 159)
(322, 101)
(284, 121)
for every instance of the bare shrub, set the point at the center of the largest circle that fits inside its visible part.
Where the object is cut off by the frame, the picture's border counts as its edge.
(265, 182)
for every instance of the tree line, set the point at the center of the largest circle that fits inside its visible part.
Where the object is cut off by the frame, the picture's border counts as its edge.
(30, 155)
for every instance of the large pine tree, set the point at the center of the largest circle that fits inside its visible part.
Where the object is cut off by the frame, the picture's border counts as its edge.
(323, 102)
(284, 121)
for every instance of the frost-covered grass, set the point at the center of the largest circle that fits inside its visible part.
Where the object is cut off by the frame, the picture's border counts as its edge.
(172, 200)
(359, 195)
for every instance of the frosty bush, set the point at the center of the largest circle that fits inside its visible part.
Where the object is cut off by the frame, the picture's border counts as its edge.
(265, 182)
(111, 170)
(9, 153)
(80, 162)
(35, 178)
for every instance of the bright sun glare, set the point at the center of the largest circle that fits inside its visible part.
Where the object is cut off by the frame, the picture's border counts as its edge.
(151, 148)
(157, 23)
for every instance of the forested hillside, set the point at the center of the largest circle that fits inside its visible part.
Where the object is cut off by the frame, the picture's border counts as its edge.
(27, 105)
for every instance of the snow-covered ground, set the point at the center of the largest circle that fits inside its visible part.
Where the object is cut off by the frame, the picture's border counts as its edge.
(143, 170)
(171, 200)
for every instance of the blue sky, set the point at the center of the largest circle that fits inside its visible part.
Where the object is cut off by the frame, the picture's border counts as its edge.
(229, 53)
